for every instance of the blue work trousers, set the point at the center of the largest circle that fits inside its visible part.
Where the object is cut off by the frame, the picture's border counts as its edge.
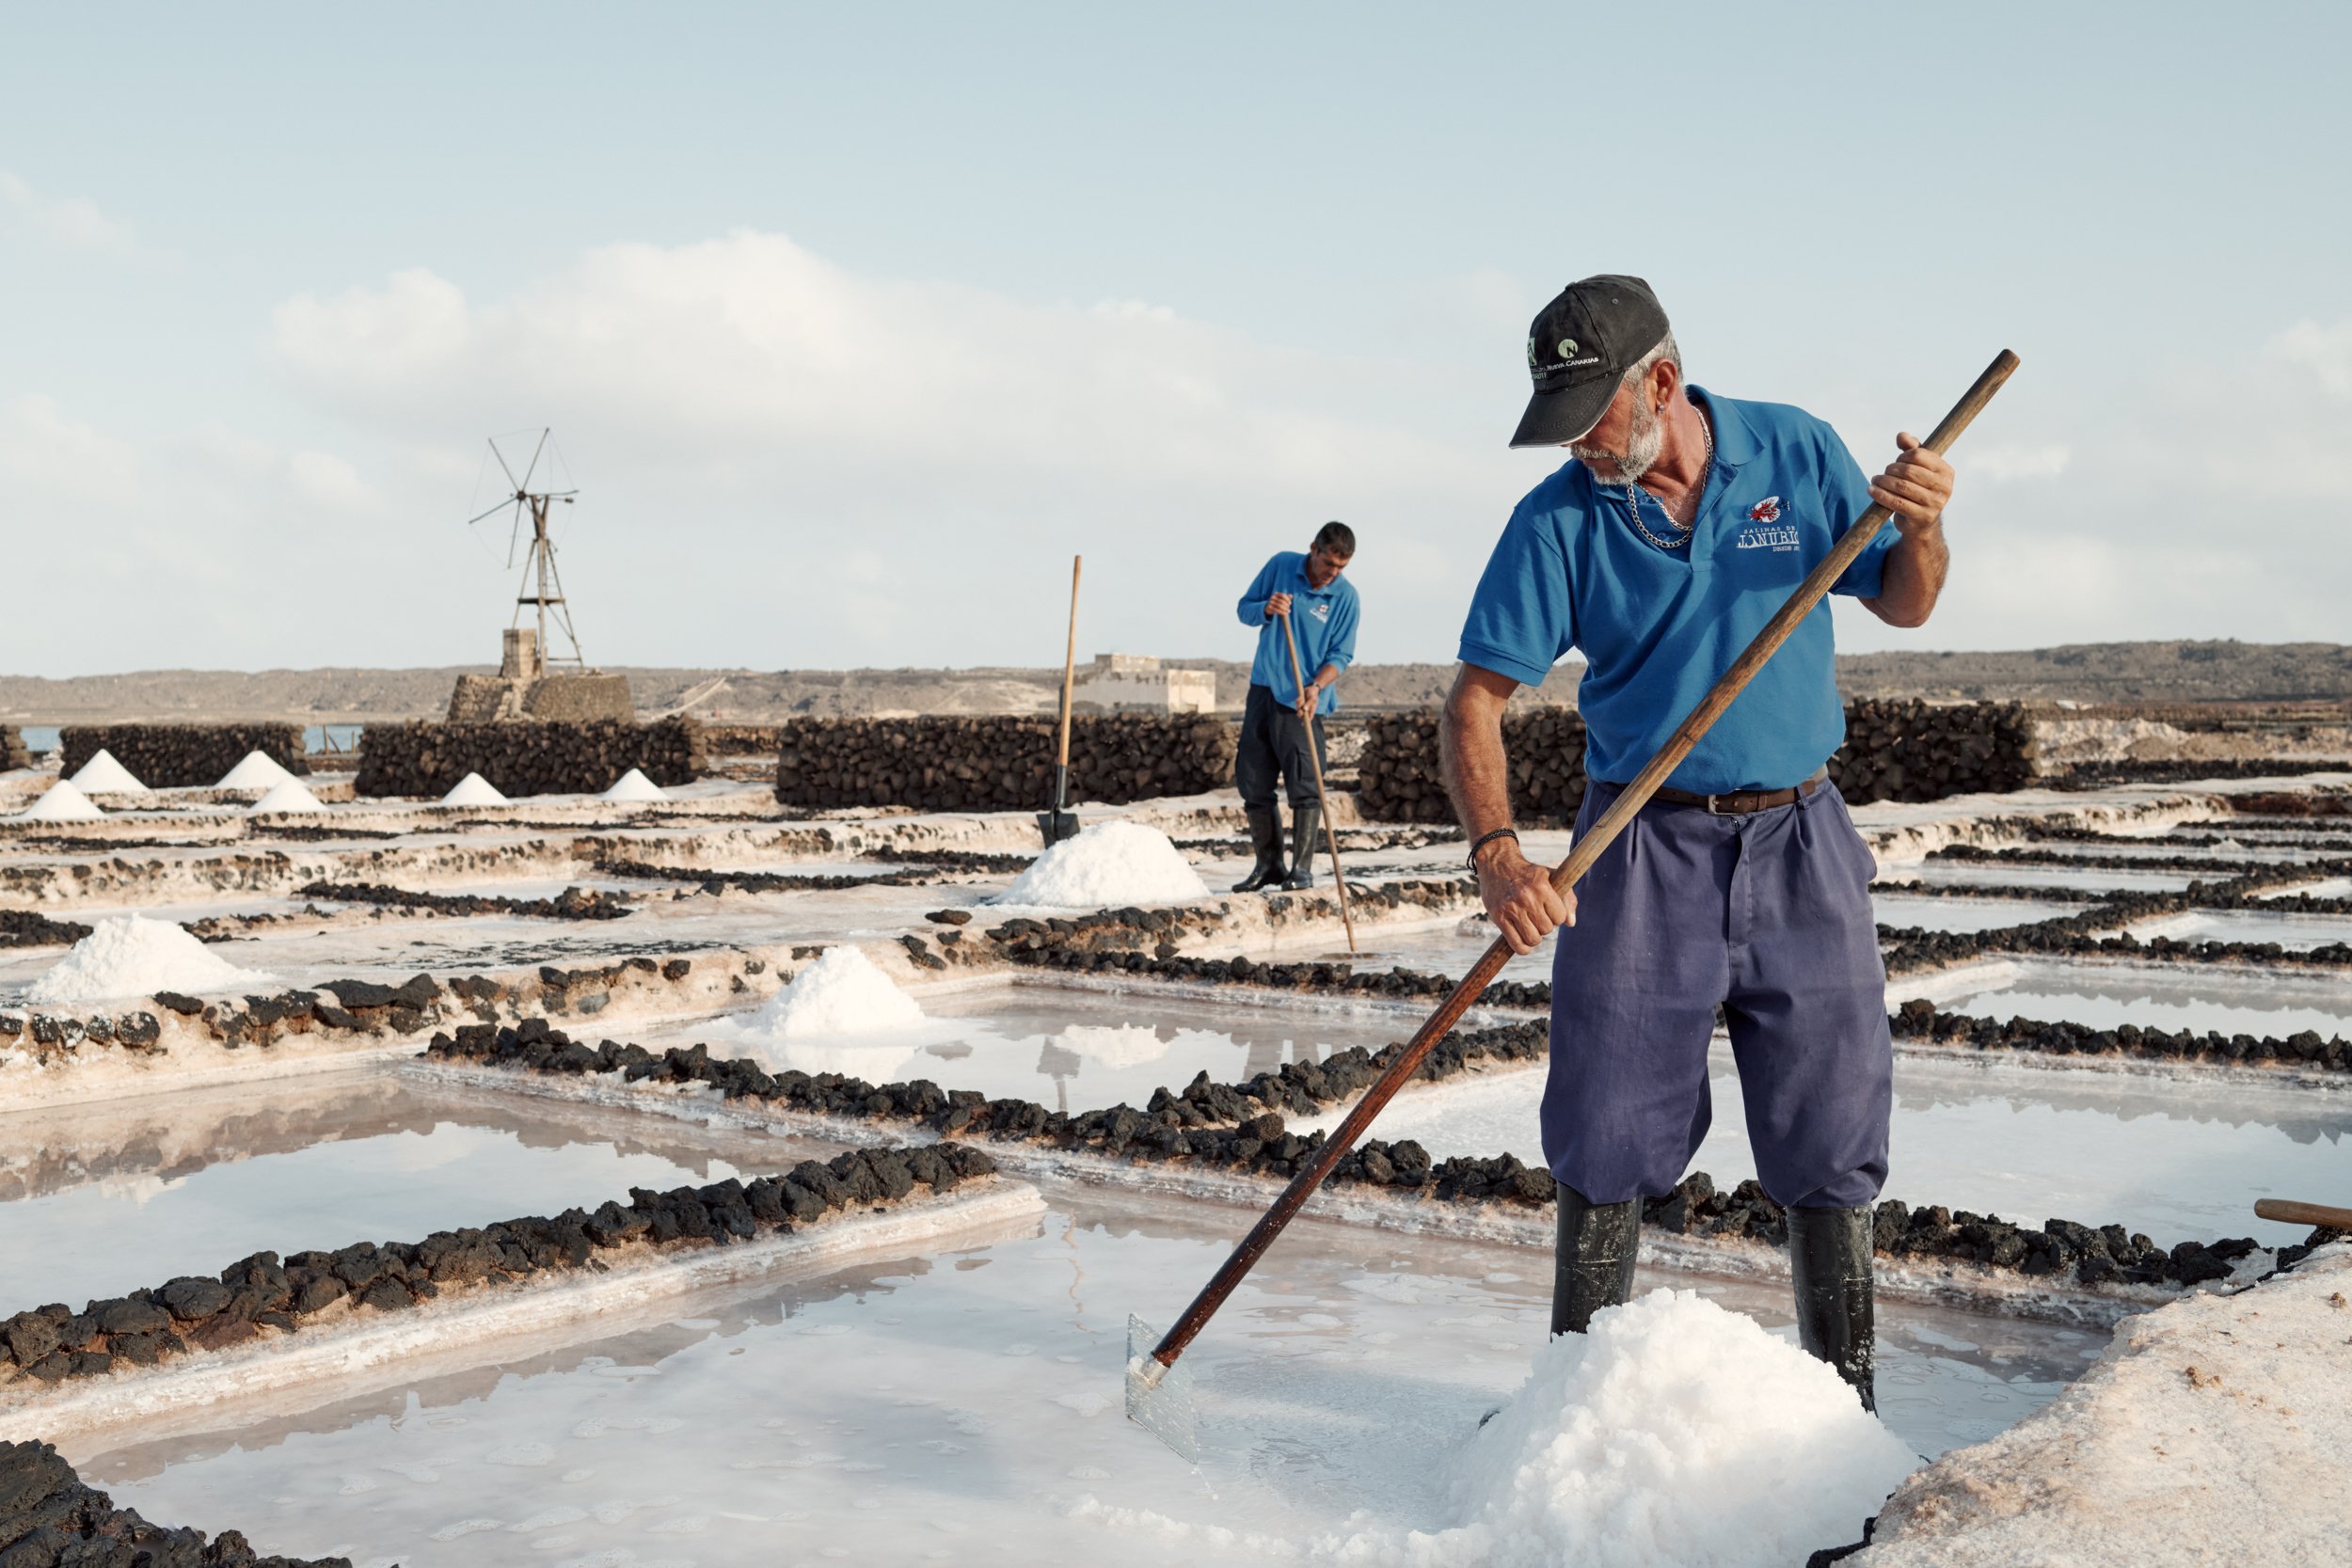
(1766, 914)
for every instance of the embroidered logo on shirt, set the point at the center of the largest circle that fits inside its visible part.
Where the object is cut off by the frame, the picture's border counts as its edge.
(1768, 536)
(1765, 511)
(1320, 612)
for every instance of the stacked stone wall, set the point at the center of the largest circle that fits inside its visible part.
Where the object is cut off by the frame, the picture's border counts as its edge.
(177, 756)
(1000, 763)
(12, 753)
(427, 759)
(1895, 751)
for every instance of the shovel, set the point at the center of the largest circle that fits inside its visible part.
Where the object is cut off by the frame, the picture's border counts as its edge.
(1161, 1407)
(1060, 822)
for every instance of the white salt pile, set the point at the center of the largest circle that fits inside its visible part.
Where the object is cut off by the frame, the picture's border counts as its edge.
(290, 795)
(1675, 1433)
(132, 956)
(63, 803)
(841, 994)
(633, 786)
(103, 775)
(1106, 865)
(474, 790)
(258, 770)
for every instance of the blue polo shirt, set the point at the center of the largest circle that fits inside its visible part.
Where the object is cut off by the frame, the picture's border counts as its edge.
(1658, 626)
(1322, 619)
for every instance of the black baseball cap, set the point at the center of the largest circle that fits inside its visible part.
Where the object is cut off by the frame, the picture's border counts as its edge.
(1579, 350)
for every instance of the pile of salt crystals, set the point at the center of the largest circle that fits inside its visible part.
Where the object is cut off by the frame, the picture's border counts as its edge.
(1674, 1432)
(103, 775)
(841, 994)
(474, 790)
(258, 771)
(1107, 865)
(132, 956)
(288, 796)
(61, 803)
(633, 786)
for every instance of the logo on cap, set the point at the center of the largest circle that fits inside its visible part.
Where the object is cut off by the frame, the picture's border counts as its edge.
(1568, 348)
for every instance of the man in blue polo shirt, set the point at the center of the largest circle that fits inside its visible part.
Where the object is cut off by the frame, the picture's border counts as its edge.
(1279, 721)
(1683, 522)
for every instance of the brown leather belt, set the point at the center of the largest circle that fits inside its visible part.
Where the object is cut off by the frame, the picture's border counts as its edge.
(1739, 802)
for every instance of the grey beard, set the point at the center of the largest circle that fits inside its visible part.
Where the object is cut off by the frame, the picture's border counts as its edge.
(1643, 445)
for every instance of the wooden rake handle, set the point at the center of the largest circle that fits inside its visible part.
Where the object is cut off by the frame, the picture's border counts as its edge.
(1069, 667)
(1314, 760)
(2286, 1209)
(1587, 849)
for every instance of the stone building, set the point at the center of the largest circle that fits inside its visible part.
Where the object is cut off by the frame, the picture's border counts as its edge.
(523, 691)
(1138, 683)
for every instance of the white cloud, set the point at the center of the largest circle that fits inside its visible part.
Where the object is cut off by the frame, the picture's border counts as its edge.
(2013, 460)
(75, 222)
(2324, 351)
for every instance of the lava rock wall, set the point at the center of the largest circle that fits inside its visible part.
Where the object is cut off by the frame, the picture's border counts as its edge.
(527, 758)
(999, 763)
(179, 756)
(49, 1515)
(1894, 750)
(12, 753)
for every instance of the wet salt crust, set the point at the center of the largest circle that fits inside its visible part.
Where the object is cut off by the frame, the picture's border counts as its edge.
(1675, 1433)
(1107, 865)
(132, 956)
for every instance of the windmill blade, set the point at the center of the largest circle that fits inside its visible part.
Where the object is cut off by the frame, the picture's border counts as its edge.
(513, 532)
(534, 468)
(501, 506)
(502, 457)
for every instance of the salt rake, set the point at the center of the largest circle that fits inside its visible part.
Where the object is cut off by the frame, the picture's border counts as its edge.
(1164, 1408)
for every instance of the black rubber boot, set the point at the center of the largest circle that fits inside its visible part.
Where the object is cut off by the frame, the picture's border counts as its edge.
(1828, 1258)
(1266, 837)
(1306, 839)
(1592, 1258)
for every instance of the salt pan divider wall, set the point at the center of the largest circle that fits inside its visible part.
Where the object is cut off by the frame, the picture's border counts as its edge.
(178, 756)
(527, 758)
(1000, 763)
(12, 753)
(1894, 750)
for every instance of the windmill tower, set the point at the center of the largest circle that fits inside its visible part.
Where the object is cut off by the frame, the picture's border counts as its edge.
(532, 682)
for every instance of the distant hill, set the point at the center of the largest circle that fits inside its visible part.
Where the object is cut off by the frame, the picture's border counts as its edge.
(2136, 672)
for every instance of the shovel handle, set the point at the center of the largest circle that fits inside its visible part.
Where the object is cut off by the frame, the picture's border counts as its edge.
(1587, 849)
(2291, 1211)
(1314, 760)
(1069, 669)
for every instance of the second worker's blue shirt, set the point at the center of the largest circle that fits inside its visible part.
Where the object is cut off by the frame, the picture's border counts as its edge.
(1658, 627)
(1322, 619)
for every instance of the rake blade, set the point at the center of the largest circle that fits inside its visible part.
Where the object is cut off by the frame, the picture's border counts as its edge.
(1159, 1398)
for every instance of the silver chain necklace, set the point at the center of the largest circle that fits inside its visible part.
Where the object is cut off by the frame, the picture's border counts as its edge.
(1682, 530)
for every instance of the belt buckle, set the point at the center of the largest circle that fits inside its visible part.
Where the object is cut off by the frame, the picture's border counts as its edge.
(1714, 810)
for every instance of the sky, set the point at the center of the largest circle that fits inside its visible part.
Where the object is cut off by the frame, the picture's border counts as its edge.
(853, 323)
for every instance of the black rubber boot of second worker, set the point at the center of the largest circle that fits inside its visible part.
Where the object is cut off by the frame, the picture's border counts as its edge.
(1829, 1260)
(1306, 839)
(1592, 1258)
(1266, 837)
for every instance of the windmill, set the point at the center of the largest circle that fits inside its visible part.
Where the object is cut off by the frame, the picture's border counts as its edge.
(525, 686)
(542, 585)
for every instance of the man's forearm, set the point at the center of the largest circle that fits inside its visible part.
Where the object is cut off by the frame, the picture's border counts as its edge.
(1913, 578)
(1469, 750)
(1328, 675)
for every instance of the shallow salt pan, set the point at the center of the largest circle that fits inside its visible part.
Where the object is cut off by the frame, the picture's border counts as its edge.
(2198, 996)
(189, 1183)
(2176, 1161)
(965, 1407)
